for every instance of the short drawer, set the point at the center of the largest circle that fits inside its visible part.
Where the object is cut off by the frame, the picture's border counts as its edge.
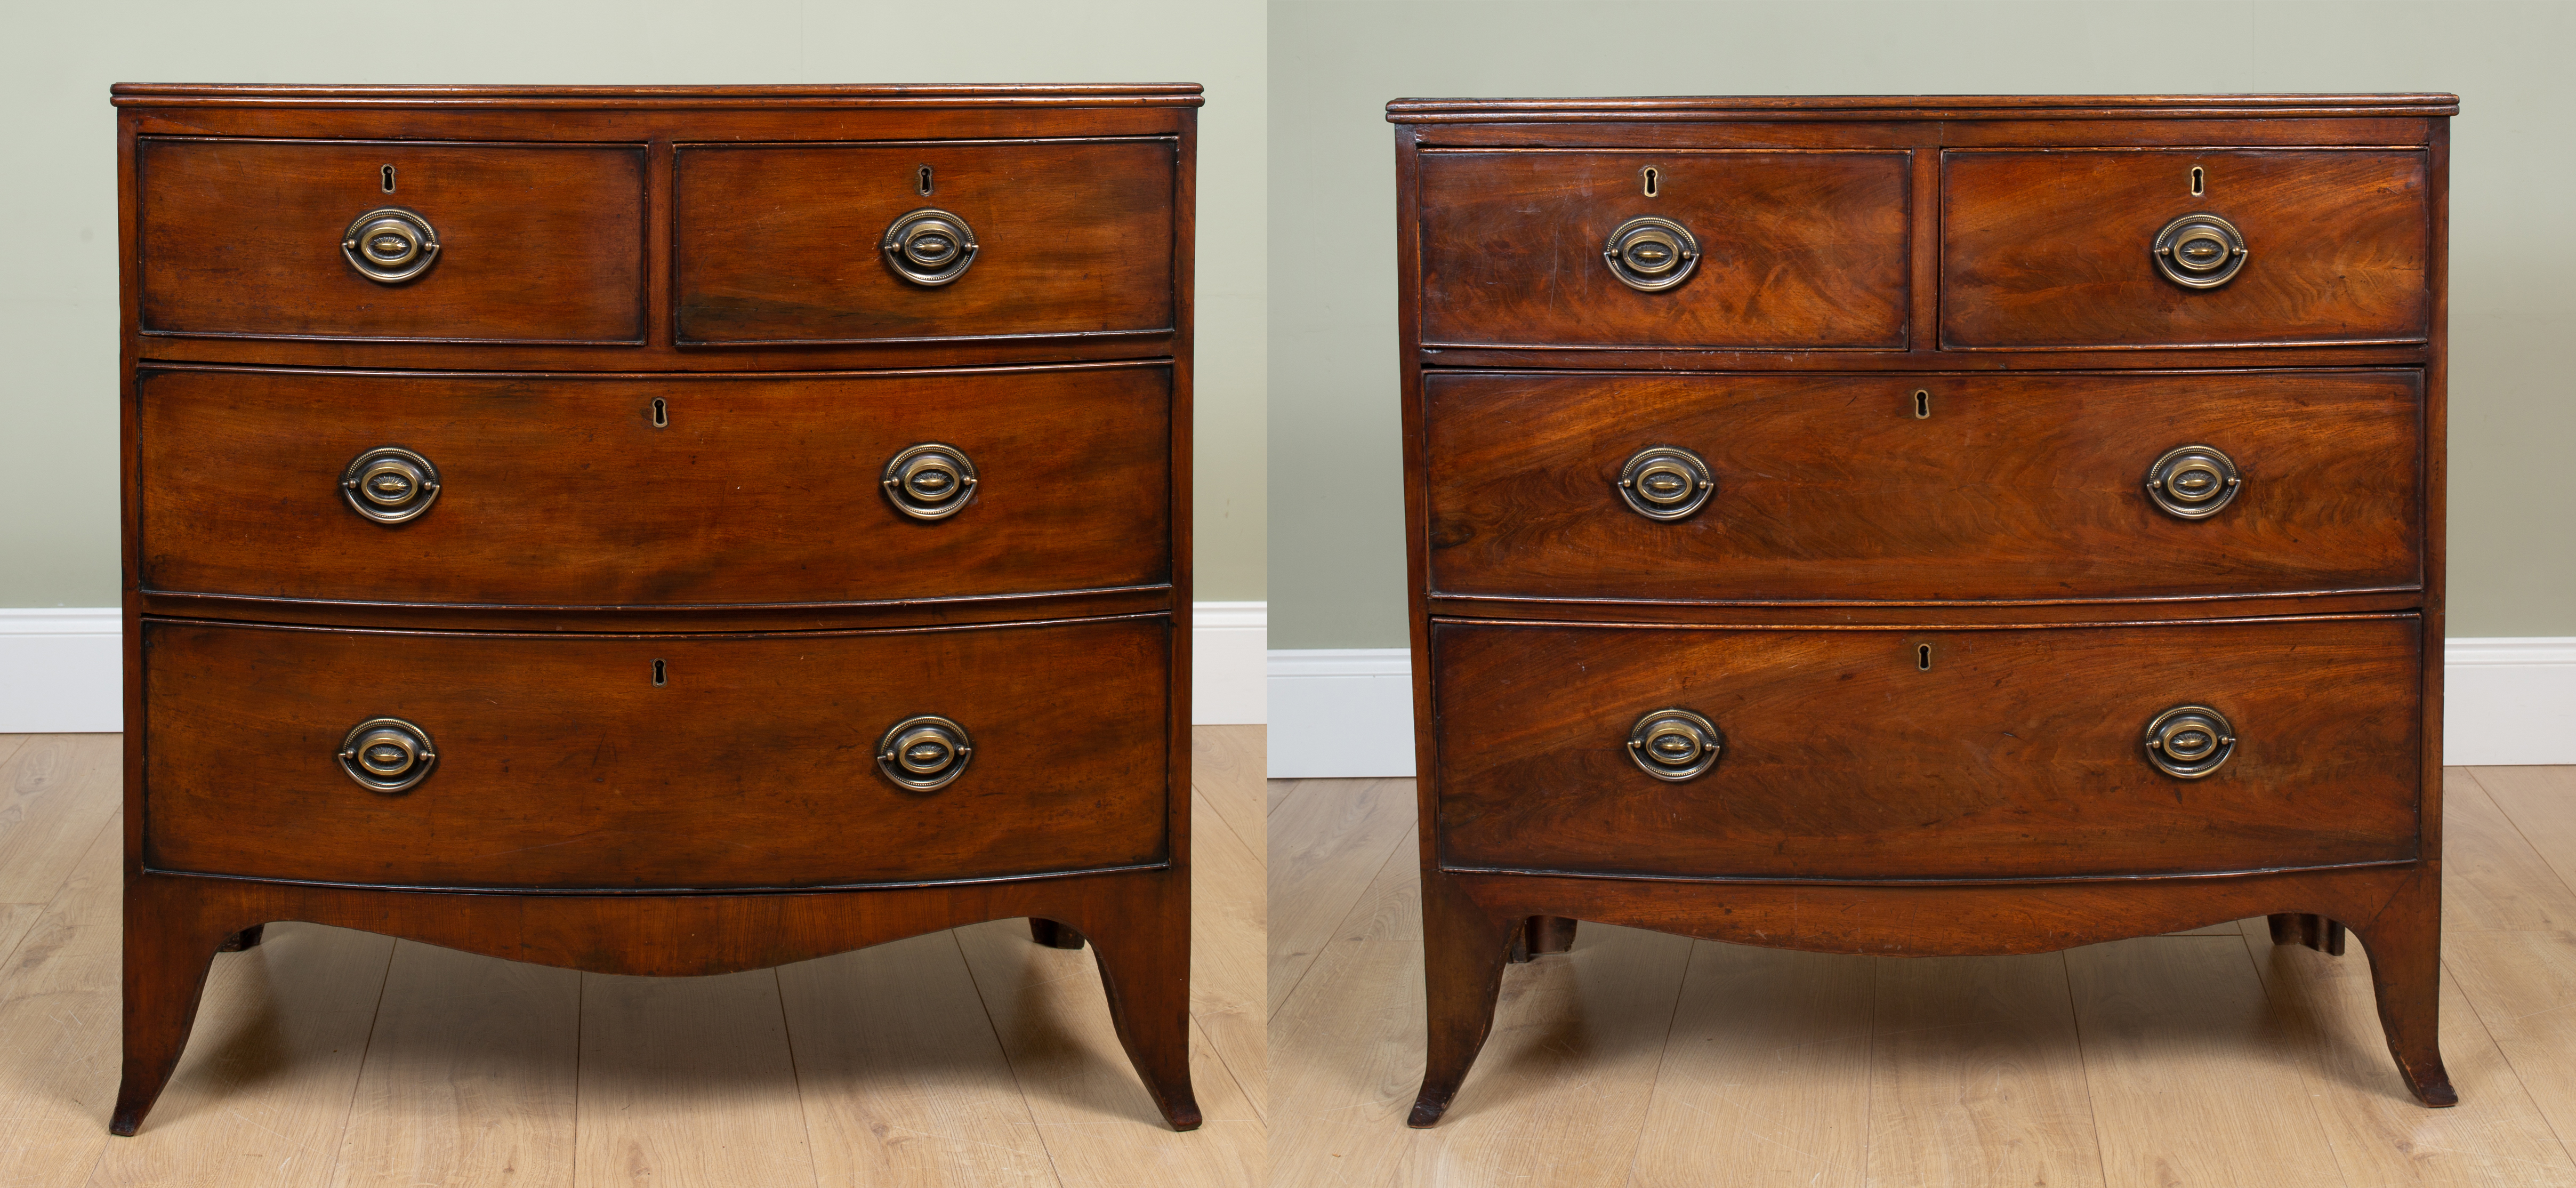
(1927, 488)
(1860, 754)
(2061, 248)
(641, 762)
(1774, 250)
(570, 491)
(392, 240)
(800, 243)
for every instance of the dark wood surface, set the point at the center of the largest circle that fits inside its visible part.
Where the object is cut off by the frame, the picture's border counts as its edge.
(1801, 250)
(778, 243)
(2052, 249)
(2018, 754)
(562, 491)
(537, 242)
(679, 829)
(1830, 487)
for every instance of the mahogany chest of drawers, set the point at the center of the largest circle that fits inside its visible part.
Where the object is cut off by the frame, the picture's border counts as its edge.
(1925, 526)
(657, 530)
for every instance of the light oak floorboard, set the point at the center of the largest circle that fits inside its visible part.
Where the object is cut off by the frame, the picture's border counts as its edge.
(2493, 879)
(2522, 986)
(1766, 1078)
(1099, 1126)
(1280, 791)
(1226, 764)
(262, 1094)
(469, 1078)
(2190, 1082)
(1976, 1076)
(2323, 1007)
(2541, 803)
(1332, 836)
(56, 790)
(59, 1018)
(1228, 924)
(688, 1081)
(902, 1080)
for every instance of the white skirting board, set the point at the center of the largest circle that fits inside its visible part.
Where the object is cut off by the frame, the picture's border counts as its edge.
(62, 670)
(1349, 712)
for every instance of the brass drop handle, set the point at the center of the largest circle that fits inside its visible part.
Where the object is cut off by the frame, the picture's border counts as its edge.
(1674, 745)
(2194, 481)
(924, 754)
(2200, 251)
(2190, 741)
(1666, 483)
(389, 484)
(929, 247)
(390, 245)
(1651, 255)
(387, 755)
(929, 482)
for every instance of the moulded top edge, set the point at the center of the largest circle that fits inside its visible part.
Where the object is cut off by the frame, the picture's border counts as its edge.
(1945, 107)
(856, 94)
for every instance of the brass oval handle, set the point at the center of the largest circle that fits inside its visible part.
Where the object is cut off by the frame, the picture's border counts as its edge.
(389, 484)
(2190, 741)
(390, 245)
(924, 754)
(2200, 251)
(1651, 255)
(929, 482)
(1666, 483)
(387, 755)
(1674, 744)
(929, 247)
(2194, 481)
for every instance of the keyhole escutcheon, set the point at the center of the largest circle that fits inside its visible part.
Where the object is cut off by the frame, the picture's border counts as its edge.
(1922, 657)
(922, 180)
(388, 176)
(661, 413)
(2199, 181)
(661, 675)
(1922, 404)
(1653, 178)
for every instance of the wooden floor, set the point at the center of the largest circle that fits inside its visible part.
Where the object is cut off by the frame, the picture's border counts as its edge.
(328, 1057)
(1644, 1059)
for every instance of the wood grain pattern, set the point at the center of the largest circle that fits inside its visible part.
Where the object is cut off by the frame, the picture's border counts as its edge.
(561, 763)
(778, 243)
(1766, 1077)
(58, 1010)
(537, 242)
(688, 1083)
(1801, 250)
(1831, 487)
(1981, 1079)
(55, 797)
(1843, 760)
(2053, 248)
(1329, 843)
(564, 491)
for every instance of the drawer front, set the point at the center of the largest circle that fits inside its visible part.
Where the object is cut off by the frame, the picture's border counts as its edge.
(534, 242)
(560, 762)
(1794, 250)
(2016, 753)
(784, 243)
(1987, 487)
(565, 491)
(2058, 249)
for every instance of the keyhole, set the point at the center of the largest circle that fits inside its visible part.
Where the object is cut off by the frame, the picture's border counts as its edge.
(2197, 179)
(659, 676)
(389, 179)
(1922, 659)
(1922, 405)
(924, 180)
(661, 413)
(1654, 179)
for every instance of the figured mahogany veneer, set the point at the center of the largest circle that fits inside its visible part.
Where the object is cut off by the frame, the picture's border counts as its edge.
(1931, 607)
(646, 647)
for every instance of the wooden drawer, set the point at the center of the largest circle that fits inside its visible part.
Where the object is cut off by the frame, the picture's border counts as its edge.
(2056, 248)
(2017, 753)
(535, 242)
(1831, 487)
(1798, 250)
(564, 491)
(781, 243)
(561, 763)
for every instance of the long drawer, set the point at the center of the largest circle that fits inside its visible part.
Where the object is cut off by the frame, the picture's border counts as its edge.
(653, 762)
(581, 492)
(1942, 754)
(1923, 488)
